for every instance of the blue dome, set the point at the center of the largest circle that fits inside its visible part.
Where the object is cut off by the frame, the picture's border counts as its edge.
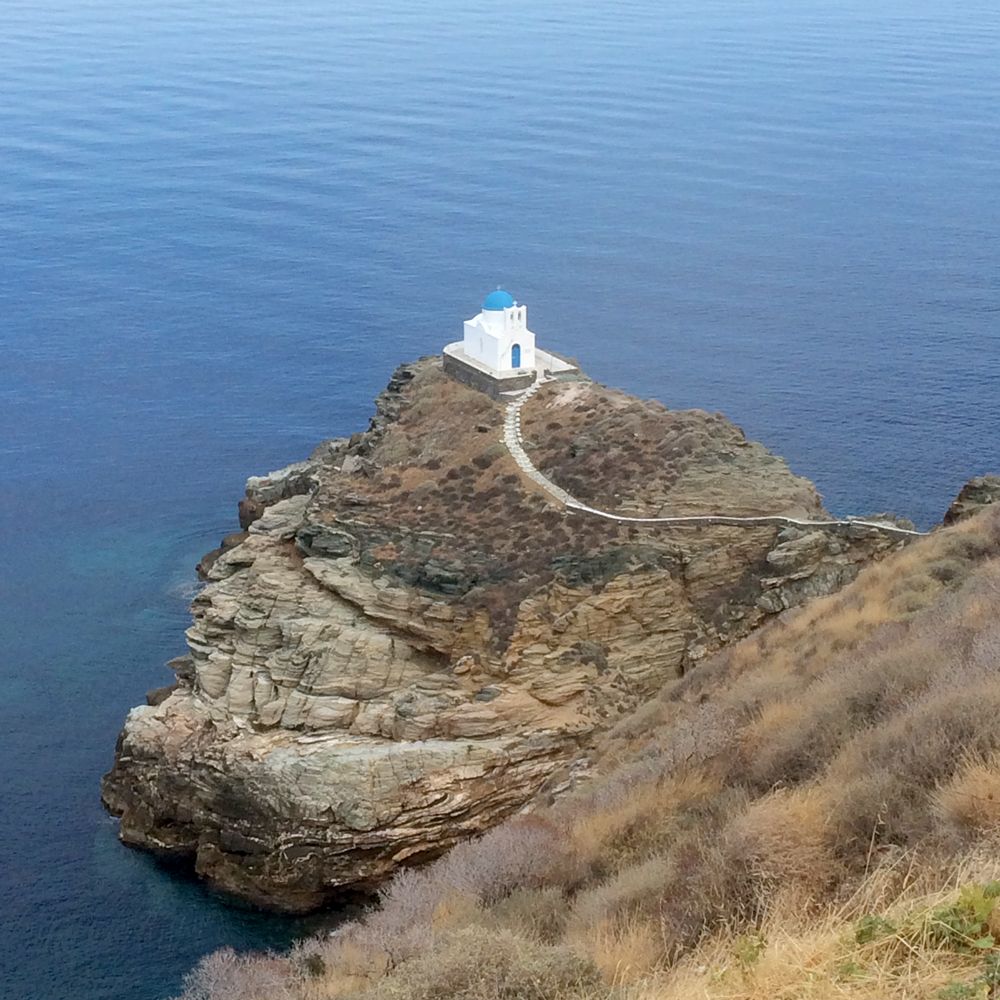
(498, 300)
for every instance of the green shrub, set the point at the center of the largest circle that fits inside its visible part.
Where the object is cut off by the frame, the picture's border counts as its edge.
(966, 924)
(872, 927)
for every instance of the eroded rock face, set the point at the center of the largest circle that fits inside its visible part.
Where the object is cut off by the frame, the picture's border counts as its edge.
(411, 636)
(974, 496)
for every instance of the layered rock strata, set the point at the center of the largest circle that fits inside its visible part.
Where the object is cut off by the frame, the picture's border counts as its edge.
(410, 635)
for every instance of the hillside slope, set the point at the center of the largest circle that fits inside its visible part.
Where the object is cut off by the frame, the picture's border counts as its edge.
(812, 813)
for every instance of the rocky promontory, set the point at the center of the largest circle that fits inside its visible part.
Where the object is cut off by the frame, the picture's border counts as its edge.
(409, 637)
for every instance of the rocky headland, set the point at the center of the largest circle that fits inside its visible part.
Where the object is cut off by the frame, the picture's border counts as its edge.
(410, 640)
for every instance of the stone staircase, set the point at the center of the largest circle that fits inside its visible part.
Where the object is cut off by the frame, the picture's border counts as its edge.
(512, 439)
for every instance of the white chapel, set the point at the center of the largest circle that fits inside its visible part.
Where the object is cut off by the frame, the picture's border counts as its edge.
(497, 352)
(498, 336)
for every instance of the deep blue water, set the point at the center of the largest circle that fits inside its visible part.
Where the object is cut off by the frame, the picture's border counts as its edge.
(222, 225)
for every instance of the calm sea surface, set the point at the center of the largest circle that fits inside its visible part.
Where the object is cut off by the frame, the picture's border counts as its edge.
(223, 224)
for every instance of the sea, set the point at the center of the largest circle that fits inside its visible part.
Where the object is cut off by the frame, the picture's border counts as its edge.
(222, 225)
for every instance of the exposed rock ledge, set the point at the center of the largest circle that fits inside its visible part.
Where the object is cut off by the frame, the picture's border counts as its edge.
(410, 637)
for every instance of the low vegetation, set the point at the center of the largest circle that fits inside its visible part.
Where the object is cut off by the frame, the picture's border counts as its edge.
(438, 502)
(664, 461)
(812, 813)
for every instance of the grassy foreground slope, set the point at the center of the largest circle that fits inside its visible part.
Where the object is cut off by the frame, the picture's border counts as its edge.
(812, 813)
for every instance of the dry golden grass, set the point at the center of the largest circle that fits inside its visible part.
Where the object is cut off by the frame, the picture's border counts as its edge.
(624, 951)
(884, 943)
(785, 839)
(970, 800)
(630, 826)
(346, 969)
(617, 899)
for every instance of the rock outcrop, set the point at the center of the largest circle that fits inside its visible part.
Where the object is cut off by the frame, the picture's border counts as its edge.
(977, 493)
(410, 636)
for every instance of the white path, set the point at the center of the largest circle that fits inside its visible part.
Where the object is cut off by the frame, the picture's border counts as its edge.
(514, 442)
(512, 438)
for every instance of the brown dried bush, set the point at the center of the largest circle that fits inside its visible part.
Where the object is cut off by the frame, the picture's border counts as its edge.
(630, 890)
(226, 975)
(488, 964)
(970, 799)
(536, 913)
(784, 839)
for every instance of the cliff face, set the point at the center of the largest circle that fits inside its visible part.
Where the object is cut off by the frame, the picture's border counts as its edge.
(411, 636)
